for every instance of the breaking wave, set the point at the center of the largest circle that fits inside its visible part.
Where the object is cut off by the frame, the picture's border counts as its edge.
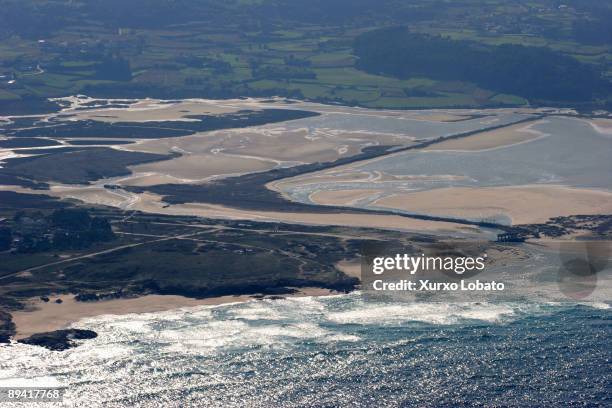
(338, 350)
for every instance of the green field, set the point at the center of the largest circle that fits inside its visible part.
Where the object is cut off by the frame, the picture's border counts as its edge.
(266, 48)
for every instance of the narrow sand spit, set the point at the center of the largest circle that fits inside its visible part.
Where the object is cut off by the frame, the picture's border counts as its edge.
(507, 136)
(523, 204)
(152, 203)
(150, 111)
(391, 222)
(42, 316)
(432, 116)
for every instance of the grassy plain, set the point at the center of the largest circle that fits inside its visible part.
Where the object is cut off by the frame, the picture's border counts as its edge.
(244, 49)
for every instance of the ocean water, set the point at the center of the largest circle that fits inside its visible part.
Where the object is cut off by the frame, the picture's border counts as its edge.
(339, 351)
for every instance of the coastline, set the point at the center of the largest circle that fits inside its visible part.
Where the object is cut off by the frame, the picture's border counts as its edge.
(40, 316)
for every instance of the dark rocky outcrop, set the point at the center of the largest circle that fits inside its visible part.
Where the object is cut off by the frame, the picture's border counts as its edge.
(59, 340)
(7, 327)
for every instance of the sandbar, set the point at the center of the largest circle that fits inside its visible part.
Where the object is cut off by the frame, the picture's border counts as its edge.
(493, 139)
(523, 204)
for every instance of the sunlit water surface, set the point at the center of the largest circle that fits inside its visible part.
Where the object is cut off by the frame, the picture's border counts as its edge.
(335, 351)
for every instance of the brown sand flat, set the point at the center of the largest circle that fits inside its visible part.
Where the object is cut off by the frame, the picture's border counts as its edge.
(490, 140)
(203, 166)
(605, 123)
(602, 125)
(392, 222)
(278, 143)
(197, 143)
(42, 316)
(523, 204)
(148, 110)
(148, 179)
(294, 146)
(240, 151)
(96, 194)
(350, 267)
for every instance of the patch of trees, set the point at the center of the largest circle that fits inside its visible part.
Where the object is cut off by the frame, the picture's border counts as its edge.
(76, 166)
(33, 20)
(595, 32)
(114, 68)
(292, 60)
(7, 327)
(28, 106)
(75, 229)
(152, 13)
(40, 18)
(6, 238)
(344, 11)
(535, 73)
(10, 200)
(593, 26)
(274, 72)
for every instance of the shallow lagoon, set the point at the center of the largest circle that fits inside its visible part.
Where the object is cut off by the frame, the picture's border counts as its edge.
(409, 125)
(571, 153)
(568, 152)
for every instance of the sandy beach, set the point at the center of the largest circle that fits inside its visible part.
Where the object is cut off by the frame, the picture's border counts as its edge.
(523, 204)
(42, 316)
(603, 126)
